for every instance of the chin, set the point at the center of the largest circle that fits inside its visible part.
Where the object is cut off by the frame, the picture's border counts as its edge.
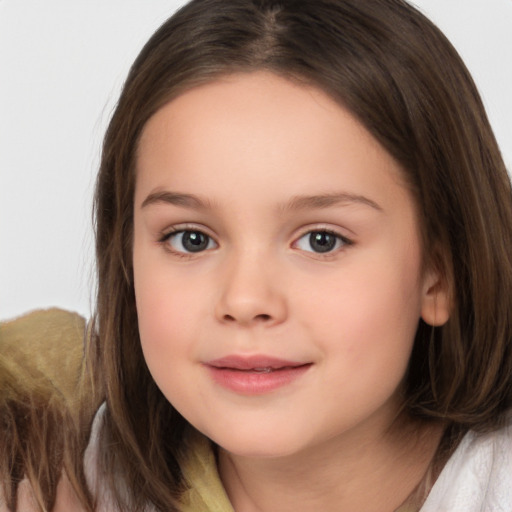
(258, 446)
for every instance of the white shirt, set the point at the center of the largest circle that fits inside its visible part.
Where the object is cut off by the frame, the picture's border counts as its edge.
(477, 477)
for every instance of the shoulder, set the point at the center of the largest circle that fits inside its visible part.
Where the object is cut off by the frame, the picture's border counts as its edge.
(98, 481)
(478, 476)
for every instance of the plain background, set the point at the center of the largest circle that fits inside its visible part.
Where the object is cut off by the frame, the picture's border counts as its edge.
(62, 64)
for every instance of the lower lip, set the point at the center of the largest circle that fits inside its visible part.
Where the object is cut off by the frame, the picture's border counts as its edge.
(256, 383)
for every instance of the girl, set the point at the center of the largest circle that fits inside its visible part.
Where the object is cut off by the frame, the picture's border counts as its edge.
(303, 243)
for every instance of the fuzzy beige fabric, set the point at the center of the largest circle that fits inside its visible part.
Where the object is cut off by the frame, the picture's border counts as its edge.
(41, 355)
(46, 345)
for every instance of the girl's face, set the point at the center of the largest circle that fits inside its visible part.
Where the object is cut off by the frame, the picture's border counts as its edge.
(277, 265)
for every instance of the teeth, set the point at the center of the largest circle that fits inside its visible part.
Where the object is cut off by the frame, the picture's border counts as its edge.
(263, 370)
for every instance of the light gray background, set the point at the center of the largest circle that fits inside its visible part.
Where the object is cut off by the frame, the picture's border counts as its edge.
(62, 64)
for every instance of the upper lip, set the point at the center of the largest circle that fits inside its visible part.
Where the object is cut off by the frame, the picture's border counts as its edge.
(239, 362)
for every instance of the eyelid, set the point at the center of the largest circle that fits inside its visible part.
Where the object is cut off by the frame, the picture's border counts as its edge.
(176, 228)
(328, 228)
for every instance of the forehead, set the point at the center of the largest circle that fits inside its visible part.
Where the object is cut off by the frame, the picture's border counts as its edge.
(254, 130)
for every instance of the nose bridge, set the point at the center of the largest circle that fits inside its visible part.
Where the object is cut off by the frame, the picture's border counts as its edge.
(250, 291)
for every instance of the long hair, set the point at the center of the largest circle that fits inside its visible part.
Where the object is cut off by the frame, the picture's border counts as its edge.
(31, 444)
(400, 77)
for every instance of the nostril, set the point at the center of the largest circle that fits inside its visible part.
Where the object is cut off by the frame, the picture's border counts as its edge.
(257, 318)
(263, 317)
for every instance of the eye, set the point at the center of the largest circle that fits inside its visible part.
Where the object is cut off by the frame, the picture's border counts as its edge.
(189, 241)
(321, 241)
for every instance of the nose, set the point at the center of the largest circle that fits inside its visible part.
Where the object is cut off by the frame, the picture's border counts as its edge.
(251, 293)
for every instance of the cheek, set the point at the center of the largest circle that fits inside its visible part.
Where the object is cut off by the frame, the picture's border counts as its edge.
(367, 315)
(164, 331)
(165, 311)
(366, 337)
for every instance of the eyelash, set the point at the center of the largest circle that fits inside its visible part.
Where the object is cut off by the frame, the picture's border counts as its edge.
(340, 241)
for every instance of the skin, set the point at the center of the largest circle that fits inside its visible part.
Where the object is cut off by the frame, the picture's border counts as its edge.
(270, 161)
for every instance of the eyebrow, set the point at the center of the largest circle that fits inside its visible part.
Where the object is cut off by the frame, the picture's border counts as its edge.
(327, 200)
(302, 202)
(175, 198)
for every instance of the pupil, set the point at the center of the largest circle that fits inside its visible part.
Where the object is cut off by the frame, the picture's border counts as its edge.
(194, 241)
(321, 241)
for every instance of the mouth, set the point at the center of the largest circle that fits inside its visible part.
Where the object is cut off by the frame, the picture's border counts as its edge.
(256, 363)
(268, 369)
(254, 375)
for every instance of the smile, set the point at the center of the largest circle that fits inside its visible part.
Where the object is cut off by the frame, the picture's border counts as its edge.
(254, 375)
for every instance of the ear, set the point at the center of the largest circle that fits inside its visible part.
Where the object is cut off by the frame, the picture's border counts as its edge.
(436, 299)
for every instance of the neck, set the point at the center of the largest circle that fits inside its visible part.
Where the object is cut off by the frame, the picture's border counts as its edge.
(343, 474)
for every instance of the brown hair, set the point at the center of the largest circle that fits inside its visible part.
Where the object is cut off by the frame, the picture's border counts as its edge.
(30, 417)
(397, 73)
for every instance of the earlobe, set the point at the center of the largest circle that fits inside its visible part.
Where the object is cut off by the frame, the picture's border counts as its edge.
(436, 300)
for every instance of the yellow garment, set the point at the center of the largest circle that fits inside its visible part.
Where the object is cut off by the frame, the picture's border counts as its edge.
(206, 492)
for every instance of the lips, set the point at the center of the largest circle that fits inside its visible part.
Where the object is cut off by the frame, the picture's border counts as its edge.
(256, 374)
(262, 364)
